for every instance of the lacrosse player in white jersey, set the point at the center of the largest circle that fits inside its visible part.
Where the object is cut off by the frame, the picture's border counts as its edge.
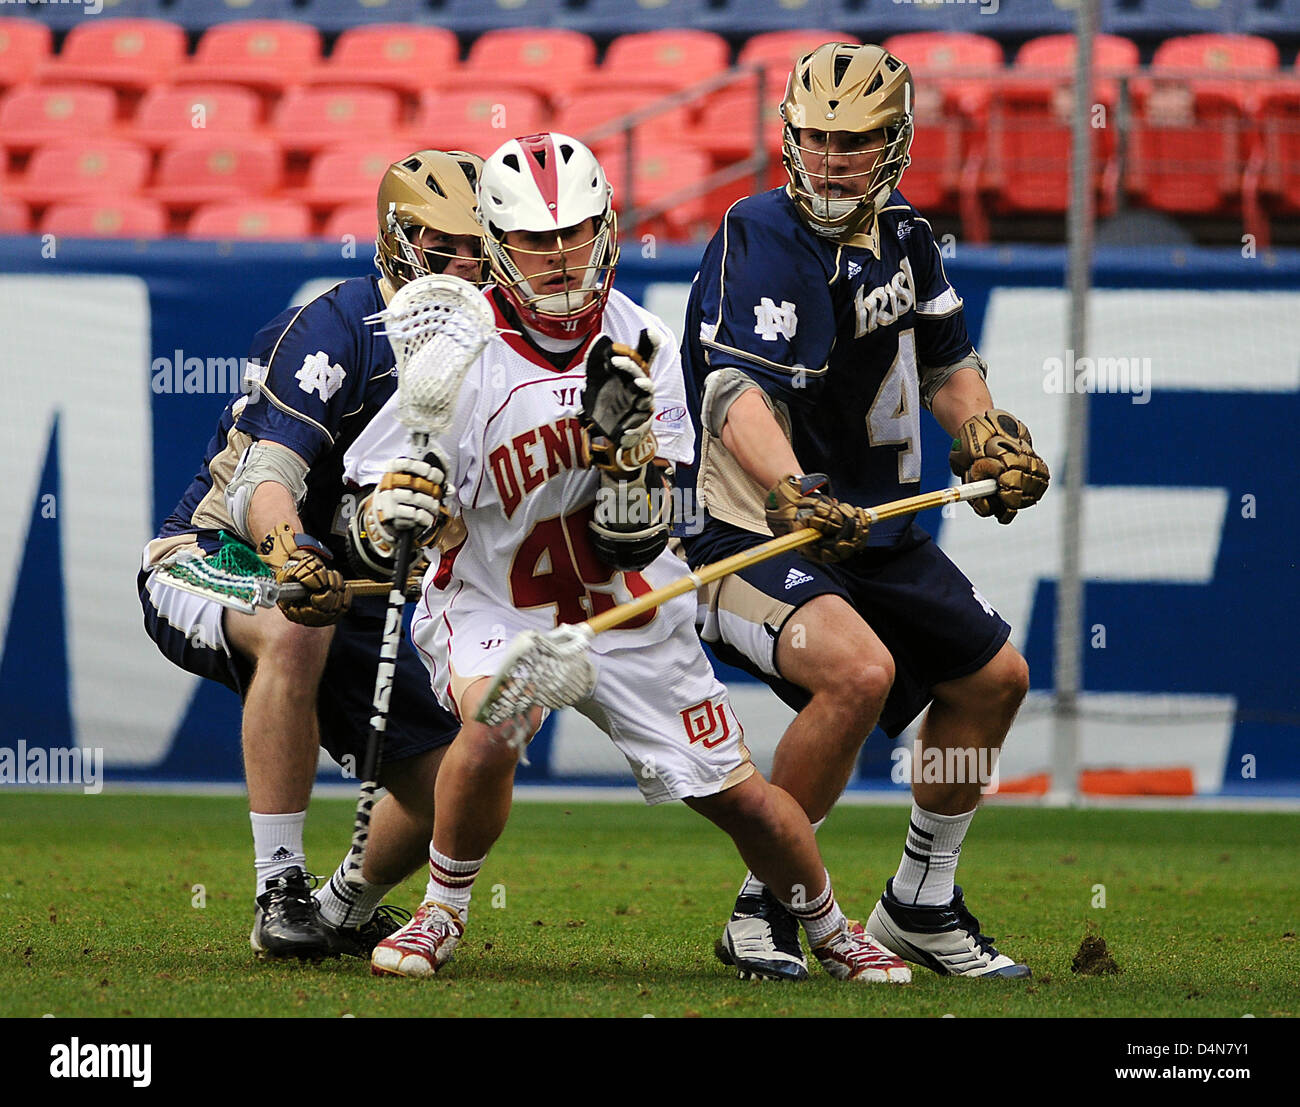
(556, 465)
(305, 672)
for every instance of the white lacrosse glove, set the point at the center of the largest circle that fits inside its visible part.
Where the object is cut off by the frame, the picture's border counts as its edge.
(408, 498)
(618, 403)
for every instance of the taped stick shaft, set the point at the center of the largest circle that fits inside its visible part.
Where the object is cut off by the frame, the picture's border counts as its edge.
(792, 541)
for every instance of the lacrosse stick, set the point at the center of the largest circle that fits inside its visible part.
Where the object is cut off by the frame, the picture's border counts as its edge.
(554, 670)
(190, 571)
(437, 326)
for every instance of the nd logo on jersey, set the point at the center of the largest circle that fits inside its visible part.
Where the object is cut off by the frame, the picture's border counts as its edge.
(886, 304)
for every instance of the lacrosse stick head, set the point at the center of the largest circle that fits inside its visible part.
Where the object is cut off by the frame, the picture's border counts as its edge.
(437, 326)
(540, 670)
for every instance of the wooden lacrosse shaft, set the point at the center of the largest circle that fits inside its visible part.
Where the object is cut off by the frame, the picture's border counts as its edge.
(359, 587)
(792, 541)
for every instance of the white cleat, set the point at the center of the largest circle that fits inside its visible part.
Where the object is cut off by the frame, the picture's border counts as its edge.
(422, 946)
(853, 954)
(946, 939)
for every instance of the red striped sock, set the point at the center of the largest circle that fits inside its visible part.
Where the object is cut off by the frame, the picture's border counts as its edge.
(451, 881)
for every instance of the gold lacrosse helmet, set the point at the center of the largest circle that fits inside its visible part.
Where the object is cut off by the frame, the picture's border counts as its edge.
(858, 89)
(433, 190)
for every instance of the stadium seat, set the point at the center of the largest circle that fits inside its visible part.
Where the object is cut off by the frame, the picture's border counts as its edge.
(549, 62)
(728, 119)
(406, 59)
(1277, 19)
(127, 217)
(930, 55)
(71, 170)
(250, 219)
(1029, 132)
(658, 174)
(1161, 18)
(130, 54)
(478, 121)
(357, 220)
(670, 59)
(266, 55)
(777, 51)
(309, 119)
(618, 17)
(581, 114)
(348, 174)
(166, 115)
(211, 169)
(33, 115)
(1280, 130)
(24, 48)
(472, 17)
(334, 16)
(1187, 142)
(199, 15)
(14, 216)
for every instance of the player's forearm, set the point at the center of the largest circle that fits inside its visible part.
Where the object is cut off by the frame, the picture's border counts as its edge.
(754, 438)
(271, 505)
(963, 395)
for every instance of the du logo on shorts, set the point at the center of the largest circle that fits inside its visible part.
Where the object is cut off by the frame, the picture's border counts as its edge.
(707, 723)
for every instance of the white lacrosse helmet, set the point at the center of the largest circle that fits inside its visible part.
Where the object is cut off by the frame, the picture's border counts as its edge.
(550, 182)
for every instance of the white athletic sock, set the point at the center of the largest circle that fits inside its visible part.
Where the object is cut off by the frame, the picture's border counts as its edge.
(451, 881)
(752, 886)
(277, 844)
(821, 917)
(343, 905)
(925, 874)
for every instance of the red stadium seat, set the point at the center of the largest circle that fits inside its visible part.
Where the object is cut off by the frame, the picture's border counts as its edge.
(726, 124)
(403, 58)
(14, 216)
(131, 54)
(72, 170)
(777, 51)
(478, 121)
(548, 61)
(1029, 139)
(129, 217)
(357, 220)
(211, 169)
(668, 59)
(167, 115)
(1280, 127)
(24, 47)
(348, 174)
(31, 116)
(659, 173)
(310, 119)
(1187, 146)
(265, 54)
(250, 219)
(584, 112)
(931, 55)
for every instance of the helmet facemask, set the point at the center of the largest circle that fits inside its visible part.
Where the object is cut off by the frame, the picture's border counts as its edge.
(402, 258)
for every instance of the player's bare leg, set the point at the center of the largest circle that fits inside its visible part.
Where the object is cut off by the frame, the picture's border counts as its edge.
(281, 743)
(922, 915)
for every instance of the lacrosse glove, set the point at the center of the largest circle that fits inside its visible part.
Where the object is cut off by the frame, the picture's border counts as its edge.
(408, 498)
(805, 501)
(300, 559)
(618, 403)
(998, 445)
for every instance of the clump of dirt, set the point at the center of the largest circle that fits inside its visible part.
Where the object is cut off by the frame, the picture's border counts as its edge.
(1093, 958)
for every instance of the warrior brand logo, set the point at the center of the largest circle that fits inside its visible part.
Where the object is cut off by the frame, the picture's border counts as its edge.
(886, 304)
(532, 458)
(566, 396)
(707, 723)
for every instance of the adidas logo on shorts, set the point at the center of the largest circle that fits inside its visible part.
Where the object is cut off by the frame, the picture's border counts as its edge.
(794, 577)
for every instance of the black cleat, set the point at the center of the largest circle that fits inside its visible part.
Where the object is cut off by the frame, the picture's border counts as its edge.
(762, 941)
(360, 941)
(946, 939)
(287, 920)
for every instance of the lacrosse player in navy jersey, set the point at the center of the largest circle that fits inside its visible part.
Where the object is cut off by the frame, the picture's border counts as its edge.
(820, 324)
(271, 479)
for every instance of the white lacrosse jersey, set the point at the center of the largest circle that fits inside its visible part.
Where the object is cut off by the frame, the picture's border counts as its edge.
(516, 483)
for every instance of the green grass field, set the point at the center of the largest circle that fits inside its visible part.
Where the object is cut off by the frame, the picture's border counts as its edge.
(597, 910)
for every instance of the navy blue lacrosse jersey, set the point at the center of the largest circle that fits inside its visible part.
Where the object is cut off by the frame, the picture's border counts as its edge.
(326, 374)
(835, 335)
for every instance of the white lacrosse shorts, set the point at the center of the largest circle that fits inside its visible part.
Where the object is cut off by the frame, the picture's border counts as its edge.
(661, 705)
